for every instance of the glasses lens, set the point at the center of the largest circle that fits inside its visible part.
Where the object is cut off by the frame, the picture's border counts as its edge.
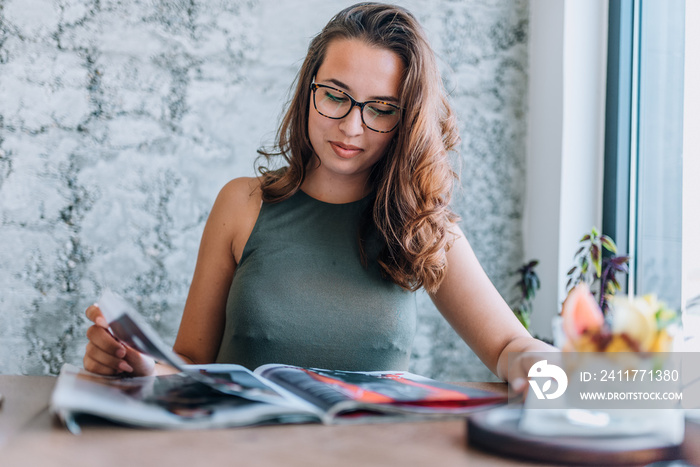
(376, 115)
(331, 103)
(380, 117)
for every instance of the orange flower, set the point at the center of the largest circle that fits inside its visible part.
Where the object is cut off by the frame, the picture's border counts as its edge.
(580, 313)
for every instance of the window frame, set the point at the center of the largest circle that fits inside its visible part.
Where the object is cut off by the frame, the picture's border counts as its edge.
(627, 155)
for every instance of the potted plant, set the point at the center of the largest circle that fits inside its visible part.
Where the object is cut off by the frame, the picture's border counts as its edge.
(528, 284)
(597, 264)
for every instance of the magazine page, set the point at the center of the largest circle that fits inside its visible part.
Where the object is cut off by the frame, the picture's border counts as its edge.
(359, 394)
(168, 401)
(129, 327)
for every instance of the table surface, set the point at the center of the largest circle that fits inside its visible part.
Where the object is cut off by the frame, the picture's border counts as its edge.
(30, 435)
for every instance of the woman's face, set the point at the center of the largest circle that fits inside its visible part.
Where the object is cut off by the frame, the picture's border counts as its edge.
(346, 148)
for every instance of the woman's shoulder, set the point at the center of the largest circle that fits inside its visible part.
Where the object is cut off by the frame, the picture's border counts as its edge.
(239, 199)
(239, 196)
(236, 209)
(241, 191)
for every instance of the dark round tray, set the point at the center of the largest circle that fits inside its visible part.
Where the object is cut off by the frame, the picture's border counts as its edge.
(497, 431)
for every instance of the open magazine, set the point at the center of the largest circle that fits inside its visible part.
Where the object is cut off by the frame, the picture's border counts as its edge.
(225, 395)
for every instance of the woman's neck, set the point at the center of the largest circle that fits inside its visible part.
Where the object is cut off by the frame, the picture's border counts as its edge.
(335, 190)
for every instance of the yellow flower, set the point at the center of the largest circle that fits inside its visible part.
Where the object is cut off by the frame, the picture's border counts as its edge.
(636, 318)
(662, 342)
(619, 344)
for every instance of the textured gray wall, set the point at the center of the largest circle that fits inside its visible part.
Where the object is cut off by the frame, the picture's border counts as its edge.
(121, 120)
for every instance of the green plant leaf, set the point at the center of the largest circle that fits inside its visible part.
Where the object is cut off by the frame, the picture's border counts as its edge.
(615, 283)
(595, 256)
(608, 244)
(610, 287)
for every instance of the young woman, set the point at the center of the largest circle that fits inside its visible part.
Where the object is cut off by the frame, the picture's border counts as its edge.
(315, 264)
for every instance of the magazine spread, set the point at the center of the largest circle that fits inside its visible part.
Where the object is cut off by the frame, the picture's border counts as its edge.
(226, 395)
(347, 395)
(168, 401)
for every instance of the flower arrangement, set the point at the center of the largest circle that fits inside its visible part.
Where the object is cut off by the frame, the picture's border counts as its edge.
(640, 324)
(593, 318)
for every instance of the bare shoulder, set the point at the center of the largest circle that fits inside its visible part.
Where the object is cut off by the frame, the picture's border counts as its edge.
(236, 209)
(240, 192)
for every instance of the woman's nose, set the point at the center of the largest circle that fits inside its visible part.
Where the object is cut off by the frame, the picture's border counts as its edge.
(352, 124)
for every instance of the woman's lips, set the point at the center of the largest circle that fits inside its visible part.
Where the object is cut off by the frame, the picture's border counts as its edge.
(346, 151)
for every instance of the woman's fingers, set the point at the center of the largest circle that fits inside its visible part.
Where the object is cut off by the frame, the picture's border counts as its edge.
(105, 341)
(103, 353)
(141, 364)
(97, 367)
(106, 355)
(92, 364)
(519, 385)
(95, 315)
(107, 360)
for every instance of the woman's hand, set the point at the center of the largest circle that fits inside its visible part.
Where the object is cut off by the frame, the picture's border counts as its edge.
(105, 355)
(523, 353)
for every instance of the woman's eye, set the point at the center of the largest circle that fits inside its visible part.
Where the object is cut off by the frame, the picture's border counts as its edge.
(335, 97)
(382, 110)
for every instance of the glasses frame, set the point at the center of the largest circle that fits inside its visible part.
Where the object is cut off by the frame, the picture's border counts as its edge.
(354, 103)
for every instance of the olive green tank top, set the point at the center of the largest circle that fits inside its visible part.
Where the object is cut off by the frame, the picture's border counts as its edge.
(301, 296)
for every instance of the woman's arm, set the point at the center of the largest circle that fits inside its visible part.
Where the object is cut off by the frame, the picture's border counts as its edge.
(226, 232)
(477, 312)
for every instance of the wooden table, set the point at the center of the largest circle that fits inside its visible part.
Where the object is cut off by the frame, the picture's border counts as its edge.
(30, 436)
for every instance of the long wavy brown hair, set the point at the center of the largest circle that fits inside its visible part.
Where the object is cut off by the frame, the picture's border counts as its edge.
(413, 182)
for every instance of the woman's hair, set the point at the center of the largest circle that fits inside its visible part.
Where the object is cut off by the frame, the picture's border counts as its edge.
(413, 181)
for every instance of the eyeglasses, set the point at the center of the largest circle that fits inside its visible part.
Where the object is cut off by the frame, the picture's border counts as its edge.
(378, 116)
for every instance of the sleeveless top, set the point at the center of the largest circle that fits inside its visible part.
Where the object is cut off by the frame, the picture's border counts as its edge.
(301, 296)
